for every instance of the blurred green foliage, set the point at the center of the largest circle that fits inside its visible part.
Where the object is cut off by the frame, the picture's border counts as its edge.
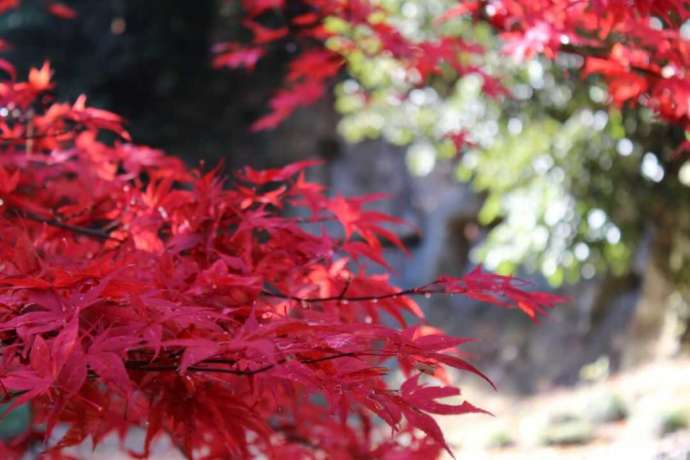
(674, 420)
(570, 183)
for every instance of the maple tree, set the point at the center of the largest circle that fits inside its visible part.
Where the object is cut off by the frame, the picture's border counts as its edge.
(227, 314)
(639, 47)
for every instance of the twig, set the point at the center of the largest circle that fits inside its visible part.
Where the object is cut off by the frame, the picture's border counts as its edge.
(422, 290)
(86, 231)
(147, 367)
(33, 136)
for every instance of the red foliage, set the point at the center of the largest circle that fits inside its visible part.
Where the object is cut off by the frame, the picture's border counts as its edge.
(135, 292)
(61, 10)
(636, 45)
(315, 66)
(234, 56)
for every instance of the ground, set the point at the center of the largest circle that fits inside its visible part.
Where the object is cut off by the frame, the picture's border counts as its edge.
(641, 414)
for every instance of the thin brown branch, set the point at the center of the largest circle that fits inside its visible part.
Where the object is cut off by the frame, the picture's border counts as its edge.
(96, 233)
(146, 366)
(430, 288)
(348, 281)
(338, 298)
(603, 53)
(35, 136)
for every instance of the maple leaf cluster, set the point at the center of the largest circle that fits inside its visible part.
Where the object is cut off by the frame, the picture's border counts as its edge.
(136, 292)
(640, 47)
(304, 24)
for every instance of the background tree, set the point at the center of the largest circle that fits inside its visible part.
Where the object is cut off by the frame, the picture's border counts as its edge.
(578, 178)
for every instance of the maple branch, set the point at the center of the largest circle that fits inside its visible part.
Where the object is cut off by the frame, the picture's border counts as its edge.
(147, 367)
(86, 231)
(422, 290)
(348, 282)
(135, 365)
(603, 53)
(45, 135)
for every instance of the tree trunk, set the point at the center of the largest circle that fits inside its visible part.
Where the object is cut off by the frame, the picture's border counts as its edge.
(658, 323)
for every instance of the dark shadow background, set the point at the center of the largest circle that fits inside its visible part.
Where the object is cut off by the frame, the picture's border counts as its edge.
(150, 61)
